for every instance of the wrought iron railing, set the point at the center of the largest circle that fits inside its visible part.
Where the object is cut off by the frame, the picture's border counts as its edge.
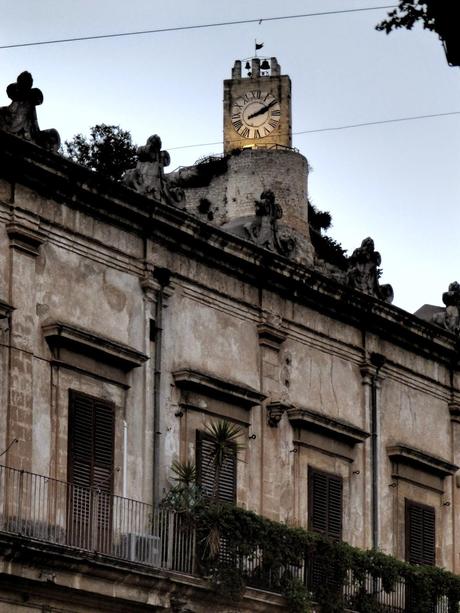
(91, 519)
(359, 591)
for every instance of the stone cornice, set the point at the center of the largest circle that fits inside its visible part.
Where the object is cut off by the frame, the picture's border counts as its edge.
(336, 429)
(66, 336)
(53, 176)
(216, 387)
(403, 454)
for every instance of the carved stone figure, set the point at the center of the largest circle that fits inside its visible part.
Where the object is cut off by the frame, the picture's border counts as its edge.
(148, 177)
(20, 117)
(264, 230)
(449, 318)
(363, 272)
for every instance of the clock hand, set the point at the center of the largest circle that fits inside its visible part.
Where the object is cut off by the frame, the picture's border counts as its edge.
(262, 110)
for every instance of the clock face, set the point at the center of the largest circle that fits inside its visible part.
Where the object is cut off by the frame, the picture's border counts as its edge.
(255, 114)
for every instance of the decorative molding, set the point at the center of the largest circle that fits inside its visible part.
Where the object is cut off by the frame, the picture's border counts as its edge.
(20, 117)
(215, 387)
(454, 410)
(25, 238)
(275, 410)
(402, 454)
(77, 340)
(271, 336)
(327, 426)
(367, 372)
(52, 176)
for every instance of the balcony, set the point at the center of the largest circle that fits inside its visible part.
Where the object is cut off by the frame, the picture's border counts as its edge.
(251, 550)
(86, 519)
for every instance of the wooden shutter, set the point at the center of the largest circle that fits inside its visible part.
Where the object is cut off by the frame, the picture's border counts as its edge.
(206, 471)
(420, 533)
(90, 469)
(325, 504)
(91, 444)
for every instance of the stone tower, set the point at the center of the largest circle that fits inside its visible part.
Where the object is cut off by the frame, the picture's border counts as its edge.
(257, 107)
(258, 189)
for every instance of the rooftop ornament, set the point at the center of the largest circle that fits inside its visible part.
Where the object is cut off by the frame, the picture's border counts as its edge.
(363, 273)
(264, 230)
(20, 117)
(449, 317)
(148, 178)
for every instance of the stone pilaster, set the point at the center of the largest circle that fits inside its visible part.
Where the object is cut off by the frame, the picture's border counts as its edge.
(272, 335)
(454, 410)
(26, 239)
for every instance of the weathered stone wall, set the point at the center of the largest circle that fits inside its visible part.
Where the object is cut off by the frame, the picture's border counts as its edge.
(90, 273)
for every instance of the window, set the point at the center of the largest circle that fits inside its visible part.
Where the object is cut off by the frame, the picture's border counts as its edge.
(420, 533)
(325, 504)
(213, 482)
(90, 469)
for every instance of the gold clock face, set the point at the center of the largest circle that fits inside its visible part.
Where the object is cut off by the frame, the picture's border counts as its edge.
(255, 114)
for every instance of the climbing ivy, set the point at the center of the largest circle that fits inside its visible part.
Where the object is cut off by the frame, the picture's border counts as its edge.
(237, 547)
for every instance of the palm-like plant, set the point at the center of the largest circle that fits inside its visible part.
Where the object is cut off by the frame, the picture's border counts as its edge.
(186, 495)
(224, 437)
(184, 472)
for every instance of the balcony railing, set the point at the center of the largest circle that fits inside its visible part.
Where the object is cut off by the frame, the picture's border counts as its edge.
(89, 519)
(92, 520)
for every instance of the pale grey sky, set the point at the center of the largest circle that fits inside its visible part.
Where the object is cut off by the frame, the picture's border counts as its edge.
(398, 183)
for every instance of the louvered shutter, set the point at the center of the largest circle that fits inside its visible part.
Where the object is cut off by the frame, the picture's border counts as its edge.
(420, 534)
(91, 434)
(206, 470)
(90, 467)
(81, 440)
(325, 504)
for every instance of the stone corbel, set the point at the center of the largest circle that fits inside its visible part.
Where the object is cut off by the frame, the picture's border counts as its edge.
(275, 411)
(25, 238)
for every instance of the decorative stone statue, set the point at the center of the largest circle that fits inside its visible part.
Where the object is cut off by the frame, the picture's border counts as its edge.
(363, 272)
(148, 177)
(449, 318)
(20, 118)
(264, 230)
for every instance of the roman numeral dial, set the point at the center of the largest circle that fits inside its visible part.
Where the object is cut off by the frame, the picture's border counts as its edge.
(256, 114)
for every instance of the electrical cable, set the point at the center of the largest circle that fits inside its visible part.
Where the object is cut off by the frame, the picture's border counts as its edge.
(258, 20)
(345, 127)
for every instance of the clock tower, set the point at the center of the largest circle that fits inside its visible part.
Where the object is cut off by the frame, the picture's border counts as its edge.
(257, 107)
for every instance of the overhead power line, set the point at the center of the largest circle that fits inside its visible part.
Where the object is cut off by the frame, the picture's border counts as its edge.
(344, 127)
(258, 20)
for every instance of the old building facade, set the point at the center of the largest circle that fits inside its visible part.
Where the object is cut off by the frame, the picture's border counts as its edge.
(133, 315)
